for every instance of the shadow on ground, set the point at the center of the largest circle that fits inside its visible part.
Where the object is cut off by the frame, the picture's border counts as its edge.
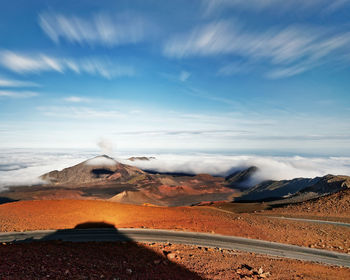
(118, 257)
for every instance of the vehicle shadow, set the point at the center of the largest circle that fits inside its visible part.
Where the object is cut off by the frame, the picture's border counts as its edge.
(76, 254)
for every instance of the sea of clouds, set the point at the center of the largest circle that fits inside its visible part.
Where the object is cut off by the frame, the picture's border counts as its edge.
(23, 167)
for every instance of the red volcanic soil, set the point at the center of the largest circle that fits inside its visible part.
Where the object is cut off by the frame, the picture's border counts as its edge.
(334, 205)
(129, 260)
(61, 214)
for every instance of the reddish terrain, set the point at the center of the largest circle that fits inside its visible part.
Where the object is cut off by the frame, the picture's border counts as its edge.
(330, 206)
(63, 260)
(34, 215)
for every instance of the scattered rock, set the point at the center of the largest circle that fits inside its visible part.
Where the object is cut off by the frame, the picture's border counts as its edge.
(165, 253)
(264, 275)
(246, 266)
(171, 256)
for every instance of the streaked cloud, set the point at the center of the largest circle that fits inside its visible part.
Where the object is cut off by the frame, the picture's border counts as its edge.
(73, 112)
(98, 29)
(40, 62)
(17, 94)
(278, 6)
(4, 82)
(289, 47)
(212, 132)
(237, 67)
(286, 72)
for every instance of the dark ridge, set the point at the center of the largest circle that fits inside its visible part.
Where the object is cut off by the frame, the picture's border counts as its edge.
(267, 199)
(4, 200)
(176, 174)
(243, 174)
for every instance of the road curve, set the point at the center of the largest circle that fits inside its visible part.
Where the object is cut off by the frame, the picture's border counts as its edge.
(189, 238)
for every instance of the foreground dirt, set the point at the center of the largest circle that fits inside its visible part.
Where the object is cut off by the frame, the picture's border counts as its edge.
(129, 260)
(62, 214)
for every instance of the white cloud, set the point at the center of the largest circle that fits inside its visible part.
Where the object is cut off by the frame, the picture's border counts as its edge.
(80, 112)
(184, 75)
(99, 29)
(76, 99)
(17, 94)
(36, 63)
(100, 160)
(25, 166)
(288, 46)
(25, 63)
(286, 72)
(16, 83)
(278, 6)
(271, 168)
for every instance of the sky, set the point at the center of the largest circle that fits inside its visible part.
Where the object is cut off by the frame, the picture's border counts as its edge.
(244, 76)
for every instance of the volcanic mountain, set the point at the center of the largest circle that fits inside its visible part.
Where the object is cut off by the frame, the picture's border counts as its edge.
(95, 170)
(105, 178)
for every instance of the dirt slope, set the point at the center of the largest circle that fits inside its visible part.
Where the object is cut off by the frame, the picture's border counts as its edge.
(333, 205)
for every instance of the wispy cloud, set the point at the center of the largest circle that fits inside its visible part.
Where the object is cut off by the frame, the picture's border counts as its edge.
(287, 71)
(184, 75)
(40, 62)
(287, 47)
(4, 82)
(99, 29)
(212, 132)
(73, 112)
(237, 67)
(17, 94)
(277, 6)
(76, 99)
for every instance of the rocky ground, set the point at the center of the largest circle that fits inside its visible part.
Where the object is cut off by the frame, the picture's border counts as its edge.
(61, 214)
(129, 260)
(336, 205)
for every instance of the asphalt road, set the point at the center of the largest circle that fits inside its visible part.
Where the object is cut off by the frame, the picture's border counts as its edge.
(190, 238)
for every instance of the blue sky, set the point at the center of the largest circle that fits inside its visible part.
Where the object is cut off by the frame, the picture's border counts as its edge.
(238, 75)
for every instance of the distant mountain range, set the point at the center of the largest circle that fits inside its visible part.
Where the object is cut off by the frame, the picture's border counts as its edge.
(296, 190)
(105, 178)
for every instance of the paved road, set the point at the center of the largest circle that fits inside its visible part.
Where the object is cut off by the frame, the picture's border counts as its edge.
(312, 221)
(190, 238)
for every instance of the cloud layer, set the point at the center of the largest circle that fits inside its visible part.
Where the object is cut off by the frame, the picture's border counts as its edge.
(20, 167)
(270, 168)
